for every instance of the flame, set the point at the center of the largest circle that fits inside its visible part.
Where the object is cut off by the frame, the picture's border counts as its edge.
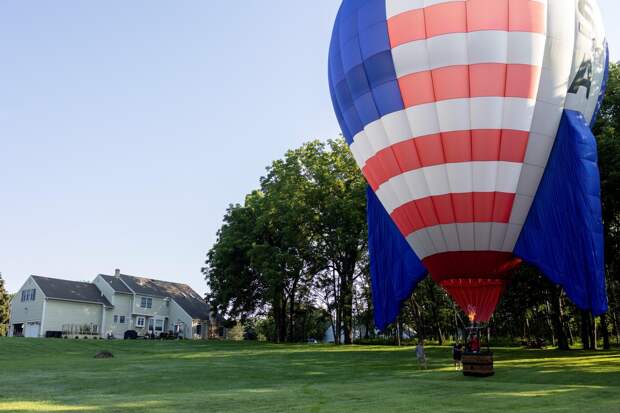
(471, 313)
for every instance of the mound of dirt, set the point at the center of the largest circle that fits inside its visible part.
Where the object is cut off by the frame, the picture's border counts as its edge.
(104, 355)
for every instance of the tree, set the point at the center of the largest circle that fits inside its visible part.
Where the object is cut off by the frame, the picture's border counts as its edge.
(257, 261)
(303, 230)
(338, 198)
(558, 317)
(287, 217)
(4, 308)
(236, 286)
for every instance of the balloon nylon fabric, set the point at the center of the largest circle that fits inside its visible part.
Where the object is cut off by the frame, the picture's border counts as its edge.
(365, 84)
(563, 234)
(395, 269)
(478, 298)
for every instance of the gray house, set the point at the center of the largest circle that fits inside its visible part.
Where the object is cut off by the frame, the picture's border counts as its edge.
(109, 306)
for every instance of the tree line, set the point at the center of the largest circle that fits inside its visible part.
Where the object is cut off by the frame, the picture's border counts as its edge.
(292, 261)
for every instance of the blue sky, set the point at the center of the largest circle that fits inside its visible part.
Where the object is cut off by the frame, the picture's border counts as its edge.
(127, 128)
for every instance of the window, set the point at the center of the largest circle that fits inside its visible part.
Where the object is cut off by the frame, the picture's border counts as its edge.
(29, 295)
(146, 302)
(122, 319)
(115, 319)
(140, 322)
(159, 326)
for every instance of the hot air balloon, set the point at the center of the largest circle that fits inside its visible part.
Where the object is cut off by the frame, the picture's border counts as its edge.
(470, 120)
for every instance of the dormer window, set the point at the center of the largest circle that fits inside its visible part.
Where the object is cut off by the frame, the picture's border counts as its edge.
(146, 302)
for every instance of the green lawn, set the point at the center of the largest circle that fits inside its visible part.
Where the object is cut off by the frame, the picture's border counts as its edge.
(62, 375)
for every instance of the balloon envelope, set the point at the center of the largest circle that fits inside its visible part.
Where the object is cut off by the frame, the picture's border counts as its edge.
(451, 109)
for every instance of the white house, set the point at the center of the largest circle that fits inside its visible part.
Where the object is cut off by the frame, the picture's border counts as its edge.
(109, 306)
(358, 333)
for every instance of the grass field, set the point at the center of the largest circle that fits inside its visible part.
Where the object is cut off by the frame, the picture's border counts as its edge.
(61, 375)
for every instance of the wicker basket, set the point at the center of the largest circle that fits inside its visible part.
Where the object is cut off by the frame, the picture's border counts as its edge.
(478, 364)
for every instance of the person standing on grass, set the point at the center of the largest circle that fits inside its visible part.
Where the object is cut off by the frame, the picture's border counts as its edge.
(457, 356)
(421, 355)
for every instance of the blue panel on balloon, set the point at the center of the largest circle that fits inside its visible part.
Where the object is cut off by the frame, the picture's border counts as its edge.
(394, 267)
(362, 76)
(563, 235)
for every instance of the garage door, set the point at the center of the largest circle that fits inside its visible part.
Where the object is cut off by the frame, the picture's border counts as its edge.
(32, 329)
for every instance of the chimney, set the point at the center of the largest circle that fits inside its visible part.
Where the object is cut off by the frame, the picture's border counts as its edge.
(117, 273)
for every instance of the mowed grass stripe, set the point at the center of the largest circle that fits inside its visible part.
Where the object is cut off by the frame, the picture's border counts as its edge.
(62, 375)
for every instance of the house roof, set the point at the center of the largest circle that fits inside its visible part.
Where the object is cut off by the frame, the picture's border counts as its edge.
(70, 290)
(116, 284)
(193, 304)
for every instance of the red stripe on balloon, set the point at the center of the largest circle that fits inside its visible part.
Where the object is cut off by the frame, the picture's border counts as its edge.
(487, 15)
(445, 18)
(527, 16)
(456, 208)
(471, 264)
(407, 27)
(448, 147)
(470, 81)
(465, 17)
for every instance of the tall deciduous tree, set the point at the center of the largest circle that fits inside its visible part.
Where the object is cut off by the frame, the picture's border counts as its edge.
(338, 199)
(237, 287)
(304, 229)
(4, 308)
